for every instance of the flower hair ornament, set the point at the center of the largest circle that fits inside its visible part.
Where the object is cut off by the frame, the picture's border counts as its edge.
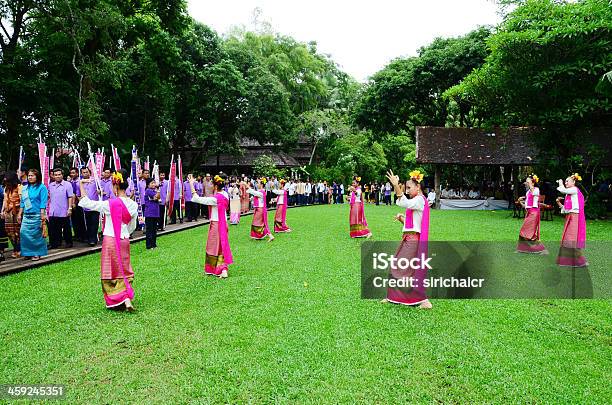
(576, 177)
(117, 178)
(416, 175)
(282, 181)
(358, 179)
(535, 178)
(218, 179)
(263, 180)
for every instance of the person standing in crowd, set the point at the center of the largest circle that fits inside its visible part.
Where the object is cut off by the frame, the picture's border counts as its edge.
(189, 206)
(341, 194)
(431, 197)
(176, 207)
(92, 218)
(151, 198)
(218, 252)
(198, 209)
(529, 235)
(235, 202)
(3, 236)
(10, 210)
(244, 196)
(415, 223)
(209, 191)
(163, 199)
(78, 216)
(357, 219)
(106, 184)
(307, 192)
(61, 200)
(387, 193)
(33, 217)
(259, 226)
(121, 214)
(573, 240)
(335, 191)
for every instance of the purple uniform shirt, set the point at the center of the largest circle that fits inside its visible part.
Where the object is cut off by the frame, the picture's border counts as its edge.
(142, 185)
(76, 189)
(107, 189)
(187, 191)
(92, 192)
(151, 204)
(59, 194)
(177, 190)
(199, 188)
(163, 191)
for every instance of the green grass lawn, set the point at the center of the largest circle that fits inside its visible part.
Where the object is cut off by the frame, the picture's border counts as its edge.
(289, 326)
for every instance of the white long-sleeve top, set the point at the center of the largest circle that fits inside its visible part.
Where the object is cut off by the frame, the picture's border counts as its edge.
(257, 194)
(214, 213)
(358, 195)
(104, 208)
(536, 198)
(281, 196)
(573, 193)
(417, 205)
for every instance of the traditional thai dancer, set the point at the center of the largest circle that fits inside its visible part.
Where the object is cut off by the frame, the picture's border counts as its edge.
(244, 196)
(218, 252)
(529, 236)
(414, 241)
(358, 222)
(574, 232)
(235, 205)
(121, 214)
(280, 218)
(259, 227)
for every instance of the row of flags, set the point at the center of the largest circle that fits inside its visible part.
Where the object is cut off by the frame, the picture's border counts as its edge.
(95, 163)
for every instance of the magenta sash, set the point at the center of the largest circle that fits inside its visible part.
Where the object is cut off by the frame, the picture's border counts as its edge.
(222, 203)
(529, 199)
(120, 215)
(567, 204)
(284, 207)
(265, 210)
(409, 223)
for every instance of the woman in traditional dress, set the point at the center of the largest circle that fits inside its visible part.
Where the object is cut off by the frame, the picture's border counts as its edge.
(32, 216)
(357, 219)
(121, 214)
(259, 227)
(10, 211)
(218, 252)
(280, 218)
(244, 196)
(3, 236)
(574, 232)
(529, 236)
(235, 202)
(414, 241)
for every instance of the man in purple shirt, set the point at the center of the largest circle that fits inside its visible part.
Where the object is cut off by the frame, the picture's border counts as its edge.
(78, 217)
(61, 199)
(107, 185)
(92, 218)
(176, 207)
(199, 188)
(163, 195)
(189, 206)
